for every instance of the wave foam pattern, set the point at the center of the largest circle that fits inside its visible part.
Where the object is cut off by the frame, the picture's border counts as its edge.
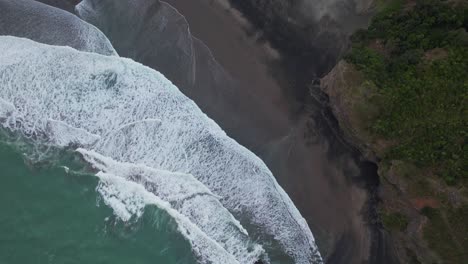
(128, 199)
(142, 118)
(186, 195)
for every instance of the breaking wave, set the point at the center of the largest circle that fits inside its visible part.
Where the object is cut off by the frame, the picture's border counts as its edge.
(152, 145)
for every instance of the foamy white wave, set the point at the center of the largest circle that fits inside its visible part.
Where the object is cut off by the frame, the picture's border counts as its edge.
(128, 199)
(62, 134)
(6, 110)
(142, 118)
(187, 196)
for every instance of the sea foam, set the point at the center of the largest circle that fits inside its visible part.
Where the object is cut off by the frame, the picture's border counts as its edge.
(139, 130)
(181, 192)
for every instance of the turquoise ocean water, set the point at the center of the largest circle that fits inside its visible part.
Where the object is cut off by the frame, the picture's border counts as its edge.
(49, 214)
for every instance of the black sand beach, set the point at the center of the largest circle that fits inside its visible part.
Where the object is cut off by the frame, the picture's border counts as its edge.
(330, 183)
(272, 113)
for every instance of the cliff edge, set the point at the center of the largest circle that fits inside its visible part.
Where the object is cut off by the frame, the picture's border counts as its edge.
(400, 97)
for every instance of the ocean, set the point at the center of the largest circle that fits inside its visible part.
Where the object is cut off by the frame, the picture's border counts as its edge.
(106, 160)
(52, 213)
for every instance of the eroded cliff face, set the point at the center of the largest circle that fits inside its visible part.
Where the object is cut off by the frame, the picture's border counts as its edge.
(405, 191)
(350, 97)
(354, 102)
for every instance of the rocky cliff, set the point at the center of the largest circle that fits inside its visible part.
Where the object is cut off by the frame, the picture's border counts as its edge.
(416, 84)
(352, 100)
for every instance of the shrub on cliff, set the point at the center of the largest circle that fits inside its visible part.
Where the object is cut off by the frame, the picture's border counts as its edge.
(425, 95)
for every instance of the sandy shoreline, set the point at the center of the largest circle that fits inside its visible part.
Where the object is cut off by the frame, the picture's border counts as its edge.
(319, 172)
(267, 110)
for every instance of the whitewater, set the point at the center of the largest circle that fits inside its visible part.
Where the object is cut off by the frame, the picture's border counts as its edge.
(150, 144)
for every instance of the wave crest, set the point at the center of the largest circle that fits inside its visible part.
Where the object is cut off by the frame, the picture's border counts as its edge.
(141, 118)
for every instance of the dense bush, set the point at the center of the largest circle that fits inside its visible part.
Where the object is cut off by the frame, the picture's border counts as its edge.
(394, 221)
(425, 96)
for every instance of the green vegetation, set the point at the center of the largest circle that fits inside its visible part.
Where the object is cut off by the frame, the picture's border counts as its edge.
(447, 233)
(394, 221)
(417, 56)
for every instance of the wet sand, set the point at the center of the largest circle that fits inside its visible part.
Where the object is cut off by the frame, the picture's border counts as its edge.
(324, 177)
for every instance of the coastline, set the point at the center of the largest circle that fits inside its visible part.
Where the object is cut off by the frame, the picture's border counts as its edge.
(332, 185)
(363, 129)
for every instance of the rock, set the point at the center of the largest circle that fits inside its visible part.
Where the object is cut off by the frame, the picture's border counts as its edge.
(350, 97)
